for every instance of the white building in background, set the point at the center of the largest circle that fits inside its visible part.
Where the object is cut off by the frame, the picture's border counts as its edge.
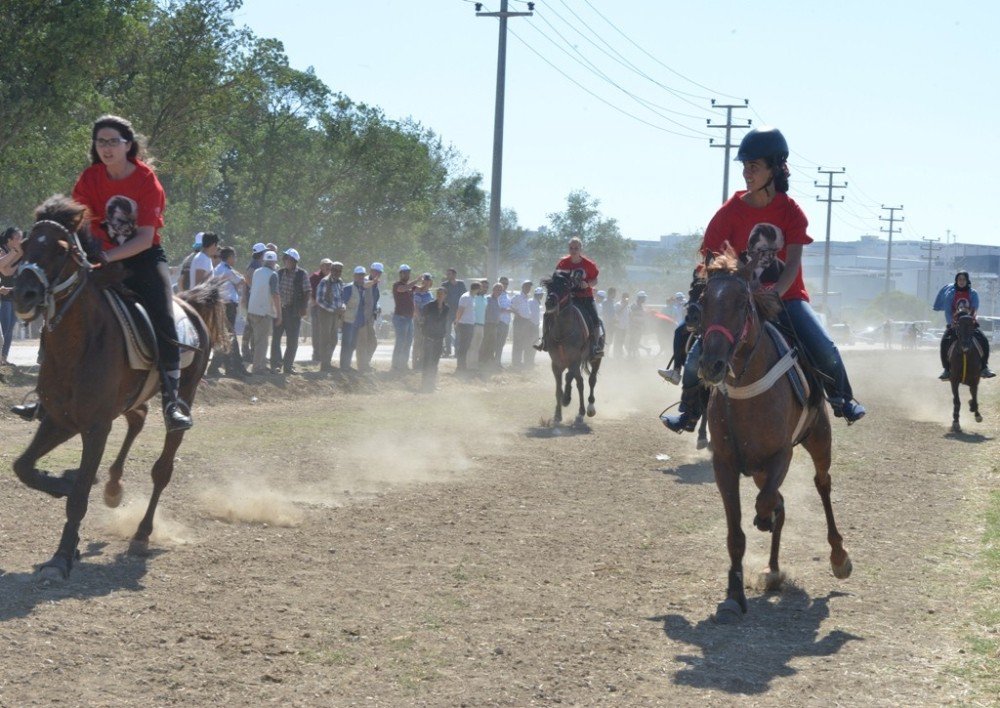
(858, 270)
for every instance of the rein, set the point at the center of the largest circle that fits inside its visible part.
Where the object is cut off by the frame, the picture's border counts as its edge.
(67, 290)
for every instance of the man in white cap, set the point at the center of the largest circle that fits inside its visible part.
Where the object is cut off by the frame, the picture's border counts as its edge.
(256, 256)
(524, 332)
(293, 286)
(402, 316)
(535, 305)
(367, 338)
(263, 308)
(202, 266)
(327, 314)
(636, 324)
(353, 296)
(184, 274)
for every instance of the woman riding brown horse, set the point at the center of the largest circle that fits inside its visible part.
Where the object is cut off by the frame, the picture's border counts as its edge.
(756, 418)
(569, 346)
(966, 365)
(85, 380)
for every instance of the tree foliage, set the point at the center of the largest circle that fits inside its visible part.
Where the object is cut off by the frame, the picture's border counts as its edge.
(245, 144)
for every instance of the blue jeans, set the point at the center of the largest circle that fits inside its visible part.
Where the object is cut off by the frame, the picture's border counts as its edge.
(348, 342)
(7, 324)
(816, 344)
(403, 327)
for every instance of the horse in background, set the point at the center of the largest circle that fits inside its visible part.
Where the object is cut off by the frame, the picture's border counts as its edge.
(756, 419)
(965, 364)
(85, 380)
(568, 344)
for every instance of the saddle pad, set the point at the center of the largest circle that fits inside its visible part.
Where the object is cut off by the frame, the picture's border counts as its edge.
(140, 341)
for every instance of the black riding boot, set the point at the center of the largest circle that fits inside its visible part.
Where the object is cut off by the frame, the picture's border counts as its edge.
(686, 420)
(27, 411)
(176, 413)
(542, 344)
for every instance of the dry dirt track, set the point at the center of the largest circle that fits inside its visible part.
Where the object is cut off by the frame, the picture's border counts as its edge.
(387, 548)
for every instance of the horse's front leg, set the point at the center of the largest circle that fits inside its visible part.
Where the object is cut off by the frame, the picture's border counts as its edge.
(113, 489)
(163, 470)
(974, 402)
(94, 441)
(581, 411)
(592, 380)
(956, 406)
(568, 386)
(557, 372)
(735, 604)
(47, 437)
(703, 426)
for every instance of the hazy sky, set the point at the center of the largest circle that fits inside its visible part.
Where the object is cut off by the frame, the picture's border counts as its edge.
(901, 93)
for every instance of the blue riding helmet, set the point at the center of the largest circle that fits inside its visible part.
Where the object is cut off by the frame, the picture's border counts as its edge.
(763, 144)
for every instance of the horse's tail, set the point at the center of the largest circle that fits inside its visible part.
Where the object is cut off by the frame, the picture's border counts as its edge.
(206, 300)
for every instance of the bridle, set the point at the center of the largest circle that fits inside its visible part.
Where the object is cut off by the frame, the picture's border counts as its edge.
(67, 289)
(749, 320)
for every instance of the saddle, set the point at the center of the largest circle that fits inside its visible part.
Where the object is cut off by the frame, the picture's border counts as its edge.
(140, 339)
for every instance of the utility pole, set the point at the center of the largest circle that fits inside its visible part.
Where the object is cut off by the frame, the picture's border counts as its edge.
(829, 186)
(729, 125)
(891, 230)
(493, 260)
(931, 249)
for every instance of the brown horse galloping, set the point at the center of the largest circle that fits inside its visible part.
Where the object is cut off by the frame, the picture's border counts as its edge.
(965, 365)
(85, 381)
(568, 343)
(756, 420)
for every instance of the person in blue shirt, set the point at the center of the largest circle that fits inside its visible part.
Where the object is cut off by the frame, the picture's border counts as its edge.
(950, 298)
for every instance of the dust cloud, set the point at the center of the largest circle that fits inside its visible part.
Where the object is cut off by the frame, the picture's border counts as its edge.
(123, 521)
(250, 499)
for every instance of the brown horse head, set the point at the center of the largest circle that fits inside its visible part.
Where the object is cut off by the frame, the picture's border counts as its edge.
(732, 304)
(559, 290)
(54, 250)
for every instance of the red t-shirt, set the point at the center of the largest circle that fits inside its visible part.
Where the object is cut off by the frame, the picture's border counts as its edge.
(780, 223)
(118, 207)
(586, 269)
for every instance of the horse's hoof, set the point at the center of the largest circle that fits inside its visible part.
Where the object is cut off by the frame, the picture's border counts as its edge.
(771, 581)
(138, 548)
(702, 443)
(578, 421)
(591, 411)
(956, 428)
(51, 575)
(979, 418)
(842, 571)
(728, 612)
(112, 495)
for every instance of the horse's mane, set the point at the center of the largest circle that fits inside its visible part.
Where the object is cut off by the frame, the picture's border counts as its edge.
(768, 302)
(71, 214)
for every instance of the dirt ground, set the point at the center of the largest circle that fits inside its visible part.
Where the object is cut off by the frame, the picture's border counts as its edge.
(332, 544)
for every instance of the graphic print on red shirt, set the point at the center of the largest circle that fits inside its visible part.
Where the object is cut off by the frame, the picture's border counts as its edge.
(769, 229)
(585, 270)
(119, 207)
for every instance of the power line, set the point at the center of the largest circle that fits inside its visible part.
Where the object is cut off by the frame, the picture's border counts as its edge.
(622, 59)
(590, 66)
(665, 66)
(599, 98)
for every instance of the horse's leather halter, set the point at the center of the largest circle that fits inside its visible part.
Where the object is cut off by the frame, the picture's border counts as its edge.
(67, 289)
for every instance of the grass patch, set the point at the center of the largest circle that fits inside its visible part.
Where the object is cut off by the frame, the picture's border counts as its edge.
(982, 668)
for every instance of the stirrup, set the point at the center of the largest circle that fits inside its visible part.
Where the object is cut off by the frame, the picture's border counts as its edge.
(177, 416)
